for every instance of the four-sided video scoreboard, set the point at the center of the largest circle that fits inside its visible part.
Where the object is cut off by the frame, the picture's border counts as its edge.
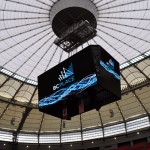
(85, 81)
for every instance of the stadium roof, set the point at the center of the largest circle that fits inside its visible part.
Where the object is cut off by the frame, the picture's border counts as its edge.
(27, 39)
(27, 50)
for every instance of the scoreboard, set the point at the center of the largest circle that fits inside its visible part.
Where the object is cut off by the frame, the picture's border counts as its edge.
(87, 80)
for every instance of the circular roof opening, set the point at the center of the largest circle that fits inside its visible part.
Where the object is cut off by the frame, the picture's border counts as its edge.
(68, 16)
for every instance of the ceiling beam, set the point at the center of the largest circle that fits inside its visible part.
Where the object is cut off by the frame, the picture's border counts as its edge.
(122, 116)
(41, 123)
(81, 128)
(135, 95)
(11, 100)
(101, 123)
(8, 78)
(61, 125)
(147, 78)
(26, 113)
(138, 86)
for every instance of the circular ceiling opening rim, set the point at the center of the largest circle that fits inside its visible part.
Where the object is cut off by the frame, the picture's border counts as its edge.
(69, 16)
(60, 5)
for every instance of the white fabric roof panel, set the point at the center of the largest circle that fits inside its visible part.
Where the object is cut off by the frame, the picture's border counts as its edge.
(26, 42)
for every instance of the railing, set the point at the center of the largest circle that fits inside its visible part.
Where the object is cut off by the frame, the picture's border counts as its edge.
(74, 136)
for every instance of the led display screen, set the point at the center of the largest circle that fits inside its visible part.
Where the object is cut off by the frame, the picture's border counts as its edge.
(90, 76)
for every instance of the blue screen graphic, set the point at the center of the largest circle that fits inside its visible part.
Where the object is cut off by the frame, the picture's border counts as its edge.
(74, 88)
(109, 69)
(65, 73)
